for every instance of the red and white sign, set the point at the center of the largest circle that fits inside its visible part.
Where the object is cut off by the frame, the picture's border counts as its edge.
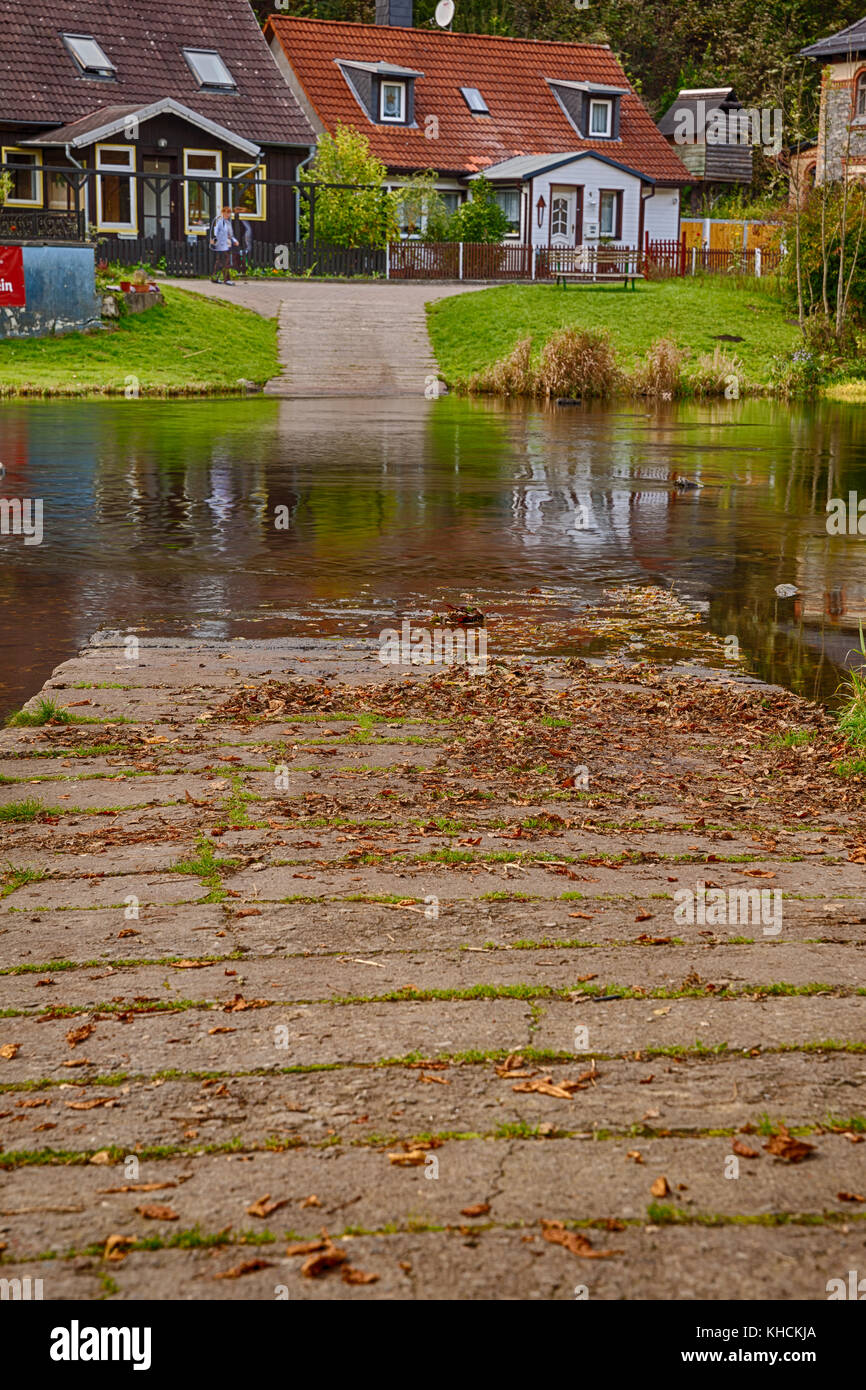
(12, 276)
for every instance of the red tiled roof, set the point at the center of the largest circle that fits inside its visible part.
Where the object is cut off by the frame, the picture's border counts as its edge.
(39, 81)
(525, 117)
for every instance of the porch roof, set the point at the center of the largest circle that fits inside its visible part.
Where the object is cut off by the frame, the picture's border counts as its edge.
(528, 166)
(106, 121)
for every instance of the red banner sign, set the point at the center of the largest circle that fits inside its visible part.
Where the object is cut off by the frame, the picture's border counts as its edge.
(12, 276)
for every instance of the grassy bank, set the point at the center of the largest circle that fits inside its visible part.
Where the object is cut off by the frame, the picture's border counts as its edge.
(191, 345)
(472, 332)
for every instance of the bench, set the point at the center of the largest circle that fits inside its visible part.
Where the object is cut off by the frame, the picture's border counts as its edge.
(594, 277)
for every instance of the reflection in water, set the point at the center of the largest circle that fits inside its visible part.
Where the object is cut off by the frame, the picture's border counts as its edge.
(272, 517)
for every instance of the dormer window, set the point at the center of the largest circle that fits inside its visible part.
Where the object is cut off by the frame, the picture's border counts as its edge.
(209, 70)
(392, 102)
(89, 57)
(600, 118)
(475, 101)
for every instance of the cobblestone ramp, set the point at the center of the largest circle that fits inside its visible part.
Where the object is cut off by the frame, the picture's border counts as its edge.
(337, 954)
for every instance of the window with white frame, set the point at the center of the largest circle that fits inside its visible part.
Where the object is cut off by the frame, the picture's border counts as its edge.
(25, 172)
(248, 192)
(392, 102)
(202, 190)
(860, 98)
(509, 200)
(600, 113)
(209, 70)
(608, 213)
(116, 194)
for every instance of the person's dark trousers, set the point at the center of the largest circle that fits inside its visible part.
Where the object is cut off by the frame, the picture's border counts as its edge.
(222, 265)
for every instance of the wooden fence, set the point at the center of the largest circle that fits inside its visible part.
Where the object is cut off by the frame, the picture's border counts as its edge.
(425, 260)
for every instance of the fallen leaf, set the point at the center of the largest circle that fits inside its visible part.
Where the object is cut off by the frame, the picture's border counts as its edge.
(78, 1035)
(351, 1275)
(222, 1030)
(311, 1201)
(783, 1146)
(103, 1156)
(306, 1247)
(743, 1150)
(158, 1213)
(323, 1260)
(660, 1188)
(480, 1209)
(575, 1241)
(117, 1247)
(246, 1267)
(413, 1159)
(89, 1104)
(10, 1050)
(264, 1206)
(636, 1155)
(850, 1197)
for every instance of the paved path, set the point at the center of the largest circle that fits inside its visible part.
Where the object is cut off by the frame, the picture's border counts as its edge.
(228, 1006)
(344, 338)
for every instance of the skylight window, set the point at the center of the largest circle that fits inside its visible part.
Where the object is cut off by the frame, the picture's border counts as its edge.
(88, 55)
(209, 70)
(475, 101)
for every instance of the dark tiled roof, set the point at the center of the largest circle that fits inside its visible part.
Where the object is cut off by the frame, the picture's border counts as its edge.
(848, 41)
(525, 116)
(39, 81)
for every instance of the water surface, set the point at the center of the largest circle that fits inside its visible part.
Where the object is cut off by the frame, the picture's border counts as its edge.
(160, 517)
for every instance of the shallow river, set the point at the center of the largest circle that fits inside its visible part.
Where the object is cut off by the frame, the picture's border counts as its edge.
(160, 516)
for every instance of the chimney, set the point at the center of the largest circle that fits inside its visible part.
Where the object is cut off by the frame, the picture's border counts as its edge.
(394, 12)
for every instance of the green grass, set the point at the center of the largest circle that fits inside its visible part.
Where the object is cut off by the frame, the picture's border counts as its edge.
(26, 810)
(189, 345)
(471, 332)
(46, 711)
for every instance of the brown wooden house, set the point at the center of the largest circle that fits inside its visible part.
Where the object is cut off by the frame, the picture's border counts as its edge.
(171, 108)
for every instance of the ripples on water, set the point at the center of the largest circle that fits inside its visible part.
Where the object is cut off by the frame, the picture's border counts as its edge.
(161, 516)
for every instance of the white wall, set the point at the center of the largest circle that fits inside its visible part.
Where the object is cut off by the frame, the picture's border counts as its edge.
(593, 175)
(661, 212)
(662, 215)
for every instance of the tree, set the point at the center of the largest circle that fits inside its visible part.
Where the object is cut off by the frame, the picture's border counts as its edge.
(480, 218)
(365, 215)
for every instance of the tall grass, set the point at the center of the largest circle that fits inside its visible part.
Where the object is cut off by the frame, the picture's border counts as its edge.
(661, 374)
(852, 716)
(582, 363)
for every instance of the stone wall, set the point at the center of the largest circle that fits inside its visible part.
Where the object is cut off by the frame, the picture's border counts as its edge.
(838, 145)
(60, 291)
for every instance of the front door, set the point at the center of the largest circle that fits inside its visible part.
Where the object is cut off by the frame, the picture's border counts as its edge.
(159, 198)
(566, 216)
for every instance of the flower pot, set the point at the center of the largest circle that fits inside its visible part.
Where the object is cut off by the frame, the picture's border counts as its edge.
(126, 286)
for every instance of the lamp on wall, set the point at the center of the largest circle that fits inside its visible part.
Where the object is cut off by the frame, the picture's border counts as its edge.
(539, 208)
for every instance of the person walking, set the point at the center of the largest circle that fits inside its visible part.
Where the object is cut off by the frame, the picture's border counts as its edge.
(222, 240)
(246, 242)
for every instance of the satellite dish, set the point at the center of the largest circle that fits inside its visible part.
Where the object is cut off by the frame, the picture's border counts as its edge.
(444, 13)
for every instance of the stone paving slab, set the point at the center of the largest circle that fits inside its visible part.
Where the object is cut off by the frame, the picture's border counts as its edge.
(658, 1264)
(362, 1103)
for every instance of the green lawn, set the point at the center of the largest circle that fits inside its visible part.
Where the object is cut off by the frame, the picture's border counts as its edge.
(470, 332)
(188, 345)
